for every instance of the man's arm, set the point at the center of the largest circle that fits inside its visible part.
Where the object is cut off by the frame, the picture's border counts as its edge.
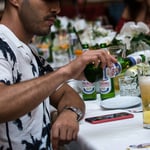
(29, 94)
(66, 96)
(18, 99)
(66, 126)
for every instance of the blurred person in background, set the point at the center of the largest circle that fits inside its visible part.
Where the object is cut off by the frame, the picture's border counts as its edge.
(28, 84)
(134, 10)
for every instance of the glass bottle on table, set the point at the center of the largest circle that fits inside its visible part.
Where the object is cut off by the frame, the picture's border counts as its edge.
(52, 37)
(88, 88)
(106, 85)
(73, 41)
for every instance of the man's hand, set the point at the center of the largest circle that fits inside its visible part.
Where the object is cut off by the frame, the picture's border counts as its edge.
(64, 129)
(75, 69)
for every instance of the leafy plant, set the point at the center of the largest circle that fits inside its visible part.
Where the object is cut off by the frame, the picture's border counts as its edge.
(140, 42)
(57, 24)
(98, 34)
(116, 42)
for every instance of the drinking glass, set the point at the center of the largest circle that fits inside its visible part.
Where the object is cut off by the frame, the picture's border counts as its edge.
(60, 48)
(128, 86)
(144, 83)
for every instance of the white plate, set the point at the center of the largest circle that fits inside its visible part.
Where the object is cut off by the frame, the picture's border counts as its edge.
(119, 102)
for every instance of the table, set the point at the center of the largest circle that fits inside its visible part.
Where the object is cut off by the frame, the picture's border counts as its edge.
(116, 135)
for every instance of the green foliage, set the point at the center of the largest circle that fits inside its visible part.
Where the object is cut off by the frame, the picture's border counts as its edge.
(141, 37)
(98, 34)
(116, 42)
(140, 42)
(57, 24)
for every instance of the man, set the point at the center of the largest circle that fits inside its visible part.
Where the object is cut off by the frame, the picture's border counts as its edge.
(27, 83)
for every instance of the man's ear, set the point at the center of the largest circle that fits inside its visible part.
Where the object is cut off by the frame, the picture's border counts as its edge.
(14, 2)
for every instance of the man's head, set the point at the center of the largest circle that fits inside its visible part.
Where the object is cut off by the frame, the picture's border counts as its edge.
(31, 17)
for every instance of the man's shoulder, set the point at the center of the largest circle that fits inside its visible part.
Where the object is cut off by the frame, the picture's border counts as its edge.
(9, 37)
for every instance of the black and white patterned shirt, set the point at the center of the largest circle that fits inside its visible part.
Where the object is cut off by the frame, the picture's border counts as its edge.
(17, 63)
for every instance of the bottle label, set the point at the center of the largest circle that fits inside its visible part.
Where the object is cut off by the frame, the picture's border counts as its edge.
(88, 87)
(136, 59)
(105, 86)
(111, 72)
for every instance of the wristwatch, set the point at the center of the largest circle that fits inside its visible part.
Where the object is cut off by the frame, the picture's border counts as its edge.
(75, 110)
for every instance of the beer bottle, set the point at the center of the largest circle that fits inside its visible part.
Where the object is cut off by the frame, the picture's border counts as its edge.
(138, 58)
(103, 45)
(73, 41)
(133, 71)
(85, 47)
(94, 74)
(106, 88)
(106, 85)
(88, 88)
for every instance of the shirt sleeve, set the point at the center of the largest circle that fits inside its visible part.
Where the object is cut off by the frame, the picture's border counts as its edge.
(5, 72)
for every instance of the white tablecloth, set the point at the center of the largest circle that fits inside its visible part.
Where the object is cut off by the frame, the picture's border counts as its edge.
(116, 135)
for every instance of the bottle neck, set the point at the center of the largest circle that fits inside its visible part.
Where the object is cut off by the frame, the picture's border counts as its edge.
(103, 45)
(132, 61)
(126, 63)
(143, 58)
(85, 47)
(138, 58)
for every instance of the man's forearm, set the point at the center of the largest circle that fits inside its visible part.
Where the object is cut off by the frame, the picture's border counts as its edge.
(71, 99)
(19, 99)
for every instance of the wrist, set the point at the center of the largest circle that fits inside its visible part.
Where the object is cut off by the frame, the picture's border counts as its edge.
(76, 110)
(65, 74)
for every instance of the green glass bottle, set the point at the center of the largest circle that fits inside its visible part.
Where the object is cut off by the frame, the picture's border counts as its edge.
(106, 85)
(103, 45)
(107, 88)
(73, 41)
(88, 88)
(85, 47)
(138, 58)
(133, 71)
(51, 37)
(94, 74)
(50, 58)
(143, 58)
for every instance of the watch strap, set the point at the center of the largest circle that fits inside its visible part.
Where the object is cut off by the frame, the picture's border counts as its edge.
(75, 110)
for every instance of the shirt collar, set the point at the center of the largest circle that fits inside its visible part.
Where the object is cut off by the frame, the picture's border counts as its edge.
(7, 33)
